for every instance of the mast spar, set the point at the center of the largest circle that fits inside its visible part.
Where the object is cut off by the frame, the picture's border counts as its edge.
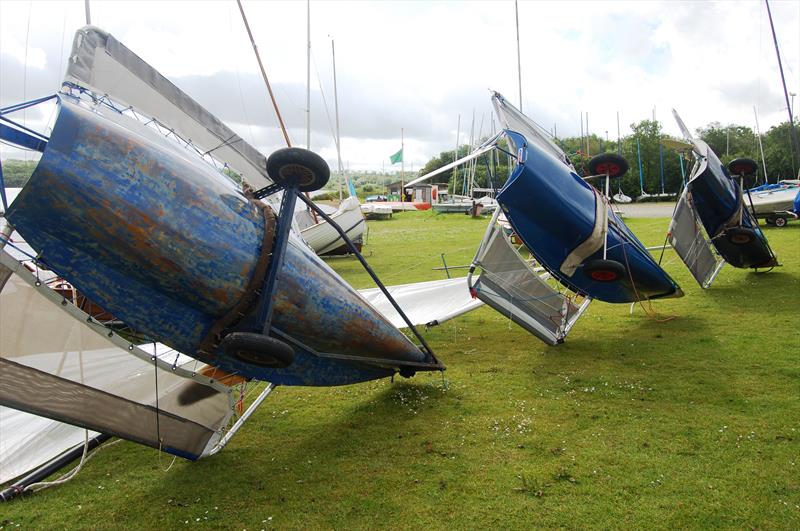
(519, 63)
(792, 128)
(308, 75)
(336, 110)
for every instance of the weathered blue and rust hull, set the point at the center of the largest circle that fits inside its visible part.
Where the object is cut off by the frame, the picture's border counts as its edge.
(159, 238)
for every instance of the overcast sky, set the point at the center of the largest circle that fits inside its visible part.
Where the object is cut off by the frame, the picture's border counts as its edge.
(419, 65)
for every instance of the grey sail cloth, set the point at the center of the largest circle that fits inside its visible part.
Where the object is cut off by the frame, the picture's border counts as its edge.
(76, 373)
(689, 241)
(513, 119)
(102, 64)
(509, 285)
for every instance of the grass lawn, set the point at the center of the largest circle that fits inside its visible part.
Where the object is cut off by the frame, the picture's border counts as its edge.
(690, 418)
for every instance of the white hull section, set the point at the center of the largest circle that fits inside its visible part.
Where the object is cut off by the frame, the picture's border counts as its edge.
(770, 201)
(323, 238)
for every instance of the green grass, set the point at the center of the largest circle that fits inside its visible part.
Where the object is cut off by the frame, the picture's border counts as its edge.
(634, 422)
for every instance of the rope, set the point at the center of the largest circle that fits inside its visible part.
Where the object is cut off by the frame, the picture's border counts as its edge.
(41, 485)
(649, 312)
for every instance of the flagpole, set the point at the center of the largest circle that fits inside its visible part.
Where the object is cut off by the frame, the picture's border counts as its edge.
(402, 166)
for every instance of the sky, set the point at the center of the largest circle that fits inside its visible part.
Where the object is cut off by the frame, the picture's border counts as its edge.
(423, 67)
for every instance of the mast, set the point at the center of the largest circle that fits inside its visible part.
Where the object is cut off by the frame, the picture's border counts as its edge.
(792, 128)
(336, 110)
(468, 176)
(619, 141)
(455, 155)
(588, 139)
(264, 75)
(88, 13)
(308, 75)
(760, 146)
(519, 63)
(639, 156)
(402, 166)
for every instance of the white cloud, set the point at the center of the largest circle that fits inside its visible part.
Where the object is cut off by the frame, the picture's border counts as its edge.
(418, 65)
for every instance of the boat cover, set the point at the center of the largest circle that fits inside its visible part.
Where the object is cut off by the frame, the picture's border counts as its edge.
(509, 285)
(689, 241)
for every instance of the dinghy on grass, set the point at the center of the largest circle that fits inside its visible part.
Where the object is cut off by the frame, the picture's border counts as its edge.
(569, 228)
(146, 225)
(713, 199)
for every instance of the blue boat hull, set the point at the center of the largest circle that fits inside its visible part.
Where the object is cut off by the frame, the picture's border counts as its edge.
(167, 244)
(553, 210)
(717, 201)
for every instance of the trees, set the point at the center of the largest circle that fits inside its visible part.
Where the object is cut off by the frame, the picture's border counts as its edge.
(491, 170)
(728, 142)
(778, 152)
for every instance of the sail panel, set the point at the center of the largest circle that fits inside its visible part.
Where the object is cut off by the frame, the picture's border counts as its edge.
(689, 241)
(510, 286)
(511, 118)
(57, 363)
(100, 63)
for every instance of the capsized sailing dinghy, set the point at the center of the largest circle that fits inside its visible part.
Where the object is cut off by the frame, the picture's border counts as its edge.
(716, 199)
(574, 233)
(569, 229)
(568, 225)
(161, 239)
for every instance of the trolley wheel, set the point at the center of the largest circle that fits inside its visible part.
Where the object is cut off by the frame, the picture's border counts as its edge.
(604, 270)
(407, 372)
(780, 221)
(304, 167)
(258, 349)
(740, 235)
(609, 164)
(742, 167)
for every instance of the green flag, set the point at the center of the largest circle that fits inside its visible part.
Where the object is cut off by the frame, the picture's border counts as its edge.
(397, 157)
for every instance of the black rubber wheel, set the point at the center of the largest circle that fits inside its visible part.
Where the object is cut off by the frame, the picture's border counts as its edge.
(258, 349)
(780, 221)
(741, 167)
(604, 270)
(609, 164)
(306, 168)
(740, 235)
(407, 372)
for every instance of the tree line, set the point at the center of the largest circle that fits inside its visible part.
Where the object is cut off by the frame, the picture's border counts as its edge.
(653, 166)
(662, 169)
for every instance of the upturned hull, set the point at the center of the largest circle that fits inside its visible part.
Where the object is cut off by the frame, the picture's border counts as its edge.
(554, 211)
(718, 202)
(167, 244)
